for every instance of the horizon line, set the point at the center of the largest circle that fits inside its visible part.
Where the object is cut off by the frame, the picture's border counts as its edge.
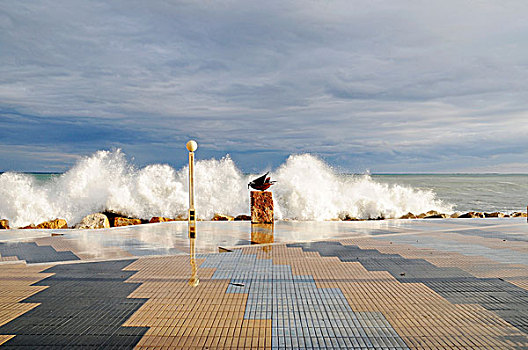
(343, 173)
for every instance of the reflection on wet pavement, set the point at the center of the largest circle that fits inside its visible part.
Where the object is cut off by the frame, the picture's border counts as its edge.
(172, 238)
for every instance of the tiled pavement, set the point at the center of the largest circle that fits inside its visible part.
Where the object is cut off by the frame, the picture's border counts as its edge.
(32, 253)
(442, 284)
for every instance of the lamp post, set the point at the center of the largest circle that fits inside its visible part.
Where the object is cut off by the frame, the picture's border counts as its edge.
(191, 146)
(193, 281)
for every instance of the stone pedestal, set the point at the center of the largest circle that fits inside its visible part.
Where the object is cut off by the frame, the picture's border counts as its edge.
(261, 207)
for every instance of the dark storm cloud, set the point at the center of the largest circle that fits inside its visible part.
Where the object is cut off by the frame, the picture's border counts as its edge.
(387, 86)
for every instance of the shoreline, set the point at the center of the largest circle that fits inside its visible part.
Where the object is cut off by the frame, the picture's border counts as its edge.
(110, 219)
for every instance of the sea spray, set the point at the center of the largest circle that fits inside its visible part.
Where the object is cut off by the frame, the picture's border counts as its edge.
(307, 189)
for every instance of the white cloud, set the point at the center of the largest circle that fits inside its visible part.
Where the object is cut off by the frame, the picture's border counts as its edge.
(361, 82)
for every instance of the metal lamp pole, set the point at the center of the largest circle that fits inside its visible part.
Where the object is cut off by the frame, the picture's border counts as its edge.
(193, 281)
(191, 146)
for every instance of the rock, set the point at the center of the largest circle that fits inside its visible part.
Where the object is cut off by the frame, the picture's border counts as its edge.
(346, 217)
(243, 217)
(409, 215)
(159, 219)
(430, 214)
(94, 221)
(4, 224)
(28, 227)
(436, 216)
(351, 218)
(471, 215)
(112, 215)
(120, 221)
(261, 207)
(53, 224)
(518, 215)
(220, 217)
(494, 215)
(455, 215)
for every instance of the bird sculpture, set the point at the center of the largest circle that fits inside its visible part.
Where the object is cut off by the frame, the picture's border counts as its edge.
(261, 183)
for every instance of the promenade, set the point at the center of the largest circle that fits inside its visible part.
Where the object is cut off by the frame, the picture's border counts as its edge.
(394, 284)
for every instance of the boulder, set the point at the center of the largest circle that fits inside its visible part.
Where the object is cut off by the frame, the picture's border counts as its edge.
(471, 215)
(409, 215)
(350, 218)
(518, 215)
(94, 221)
(120, 221)
(344, 216)
(436, 216)
(429, 214)
(4, 224)
(112, 215)
(31, 226)
(494, 215)
(159, 219)
(243, 217)
(53, 224)
(455, 215)
(220, 217)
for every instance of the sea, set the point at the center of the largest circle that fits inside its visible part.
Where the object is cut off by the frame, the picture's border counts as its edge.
(307, 188)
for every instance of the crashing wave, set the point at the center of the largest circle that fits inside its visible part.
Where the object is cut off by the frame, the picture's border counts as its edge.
(106, 180)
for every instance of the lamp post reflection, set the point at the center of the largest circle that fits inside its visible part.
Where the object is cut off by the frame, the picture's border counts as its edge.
(193, 281)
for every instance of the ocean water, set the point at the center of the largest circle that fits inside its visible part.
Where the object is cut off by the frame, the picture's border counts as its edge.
(307, 189)
(470, 192)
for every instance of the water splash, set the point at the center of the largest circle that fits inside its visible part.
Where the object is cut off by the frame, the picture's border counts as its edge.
(307, 189)
(311, 190)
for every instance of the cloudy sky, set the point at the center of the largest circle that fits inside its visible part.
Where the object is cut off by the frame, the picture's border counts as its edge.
(388, 86)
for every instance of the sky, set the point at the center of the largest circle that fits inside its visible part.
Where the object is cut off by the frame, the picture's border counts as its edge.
(380, 86)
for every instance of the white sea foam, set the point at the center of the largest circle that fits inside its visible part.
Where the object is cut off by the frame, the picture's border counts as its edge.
(307, 189)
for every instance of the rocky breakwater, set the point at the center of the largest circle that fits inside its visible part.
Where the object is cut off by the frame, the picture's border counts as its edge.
(107, 219)
(56, 224)
(432, 214)
(111, 219)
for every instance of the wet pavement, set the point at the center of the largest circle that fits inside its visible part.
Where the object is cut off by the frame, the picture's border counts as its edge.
(393, 284)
